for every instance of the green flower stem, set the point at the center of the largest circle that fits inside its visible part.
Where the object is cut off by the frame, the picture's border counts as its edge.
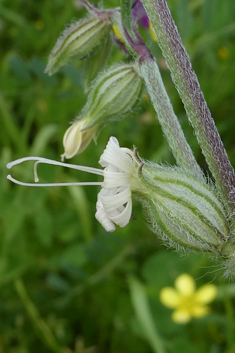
(143, 313)
(42, 328)
(170, 125)
(189, 90)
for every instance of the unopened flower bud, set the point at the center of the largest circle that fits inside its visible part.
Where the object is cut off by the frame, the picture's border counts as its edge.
(115, 92)
(77, 138)
(78, 40)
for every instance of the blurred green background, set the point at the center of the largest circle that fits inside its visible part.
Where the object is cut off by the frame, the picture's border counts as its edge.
(67, 285)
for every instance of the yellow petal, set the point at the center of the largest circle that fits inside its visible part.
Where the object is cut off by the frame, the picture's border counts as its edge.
(206, 293)
(185, 284)
(199, 310)
(181, 317)
(169, 297)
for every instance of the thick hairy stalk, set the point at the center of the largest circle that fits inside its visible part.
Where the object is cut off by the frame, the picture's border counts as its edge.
(170, 125)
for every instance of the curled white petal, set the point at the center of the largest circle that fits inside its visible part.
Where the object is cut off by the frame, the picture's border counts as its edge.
(112, 202)
(114, 205)
(101, 214)
(115, 156)
(114, 208)
(115, 178)
(124, 217)
(104, 219)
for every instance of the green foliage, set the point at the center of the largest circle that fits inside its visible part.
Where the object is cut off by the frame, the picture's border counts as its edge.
(64, 280)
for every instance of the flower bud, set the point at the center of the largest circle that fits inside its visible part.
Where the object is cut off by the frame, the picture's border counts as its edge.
(78, 39)
(183, 210)
(115, 91)
(77, 138)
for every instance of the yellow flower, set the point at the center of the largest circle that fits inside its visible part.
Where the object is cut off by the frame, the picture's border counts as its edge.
(186, 300)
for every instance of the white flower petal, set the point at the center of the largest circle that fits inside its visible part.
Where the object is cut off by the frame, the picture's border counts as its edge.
(114, 205)
(114, 179)
(115, 201)
(123, 218)
(111, 168)
(103, 218)
(114, 155)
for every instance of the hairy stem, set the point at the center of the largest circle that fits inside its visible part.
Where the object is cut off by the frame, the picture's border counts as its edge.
(189, 90)
(170, 125)
(149, 71)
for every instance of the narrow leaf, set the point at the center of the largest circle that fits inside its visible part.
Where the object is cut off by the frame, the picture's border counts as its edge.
(143, 313)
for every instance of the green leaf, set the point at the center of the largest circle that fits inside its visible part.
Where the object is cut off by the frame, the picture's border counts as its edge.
(42, 139)
(58, 283)
(19, 67)
(38, 67)
(74, 254)
(82, 207)
(171, 266)
(44, 229)
(142, 310)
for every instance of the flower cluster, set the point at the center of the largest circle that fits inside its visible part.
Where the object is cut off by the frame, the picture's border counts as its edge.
(181, 206)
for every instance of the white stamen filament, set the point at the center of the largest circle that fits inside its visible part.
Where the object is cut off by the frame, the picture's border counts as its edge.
(9, 177)
(52, 162)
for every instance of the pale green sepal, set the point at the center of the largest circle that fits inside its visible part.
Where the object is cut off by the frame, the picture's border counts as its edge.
(183, 210)
(115, 92)
(78, 39)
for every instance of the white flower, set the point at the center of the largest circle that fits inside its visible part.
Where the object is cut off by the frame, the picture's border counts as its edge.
(184, 211)
(114, 204)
